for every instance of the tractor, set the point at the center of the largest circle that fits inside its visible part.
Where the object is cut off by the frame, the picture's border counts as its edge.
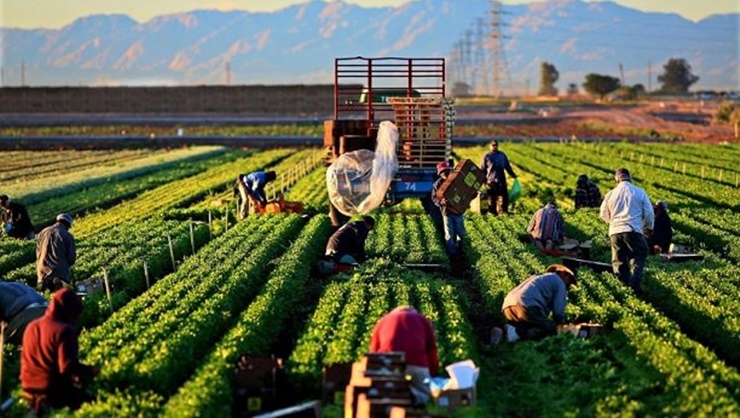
(410, 92)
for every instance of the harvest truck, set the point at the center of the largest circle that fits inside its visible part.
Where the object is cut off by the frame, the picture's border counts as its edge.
(411, 93)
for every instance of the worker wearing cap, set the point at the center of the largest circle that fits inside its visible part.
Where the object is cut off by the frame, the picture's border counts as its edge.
(527, 307)
(15, 217)
(587, 193)
(19, 305)
(629, 213)
(547, 229)
(660, 240)
(452, 219)
(496, 165)
(252, 185)
(406, 330)
(55, 254)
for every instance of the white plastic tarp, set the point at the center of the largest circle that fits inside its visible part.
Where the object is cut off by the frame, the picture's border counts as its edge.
(357, 181)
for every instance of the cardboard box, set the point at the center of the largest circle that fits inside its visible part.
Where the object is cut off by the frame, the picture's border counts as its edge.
(453, 399)
(403, 412)
(584, 330)
(336, 377)
(91, 285)
(462, 185)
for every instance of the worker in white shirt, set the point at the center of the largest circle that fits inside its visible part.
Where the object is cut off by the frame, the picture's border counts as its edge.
(627, 208)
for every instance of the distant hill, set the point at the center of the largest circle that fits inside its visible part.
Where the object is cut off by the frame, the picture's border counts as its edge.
(297, 44)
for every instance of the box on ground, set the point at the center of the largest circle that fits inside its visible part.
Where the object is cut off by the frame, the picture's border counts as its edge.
(336, 377)
(462, 185)
(584, 330)
(453, 399)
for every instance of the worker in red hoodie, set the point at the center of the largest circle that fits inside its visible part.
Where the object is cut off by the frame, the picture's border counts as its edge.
(406, 330)
(51, 373)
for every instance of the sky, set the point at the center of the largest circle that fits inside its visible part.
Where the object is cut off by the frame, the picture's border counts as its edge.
(58, 13)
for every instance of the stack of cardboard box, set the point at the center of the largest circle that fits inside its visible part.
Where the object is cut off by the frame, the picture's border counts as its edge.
(378, 383)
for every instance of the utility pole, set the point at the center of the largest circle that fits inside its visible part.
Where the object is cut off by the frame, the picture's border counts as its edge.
(621, 72)
(23, 73)
(496, 46)
(469, 68)
(650, 76)
(228, 73)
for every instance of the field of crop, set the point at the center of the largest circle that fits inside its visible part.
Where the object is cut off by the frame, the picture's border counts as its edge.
(191, 288)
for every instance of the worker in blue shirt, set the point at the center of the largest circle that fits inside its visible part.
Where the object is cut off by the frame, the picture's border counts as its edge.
(496, 165)
(252, 186)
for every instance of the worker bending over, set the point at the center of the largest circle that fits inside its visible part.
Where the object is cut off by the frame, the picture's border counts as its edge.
(19, 305)
(15, 219)
(51, 373)
(660, 239)
(587, 193)
(55, 254)
(527, 307)
(406, 330)
(252, 185)
(547, 229)
(347, 244)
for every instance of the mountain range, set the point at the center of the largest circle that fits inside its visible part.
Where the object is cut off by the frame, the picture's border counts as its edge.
(297, 44)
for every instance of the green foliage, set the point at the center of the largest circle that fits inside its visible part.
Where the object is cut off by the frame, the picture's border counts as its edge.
(677, 76)
(600, 85)
(549, 75)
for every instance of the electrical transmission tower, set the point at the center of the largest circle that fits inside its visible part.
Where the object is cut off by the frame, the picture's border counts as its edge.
(497, 48)
(481, 63)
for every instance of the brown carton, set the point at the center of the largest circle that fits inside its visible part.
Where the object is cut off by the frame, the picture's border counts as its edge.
(462, 185)
(454, 399)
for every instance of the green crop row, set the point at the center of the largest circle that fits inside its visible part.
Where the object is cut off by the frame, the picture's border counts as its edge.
(407, 239)
(311, 191)
(177, 193)
(48, 187)
(177, 327)
(208, 393)
(631, 366)
(342, 323)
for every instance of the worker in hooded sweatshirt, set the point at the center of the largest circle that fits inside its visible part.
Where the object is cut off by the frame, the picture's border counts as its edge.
(406, 330)
(51, 373)
(55, 254)
(252, 186)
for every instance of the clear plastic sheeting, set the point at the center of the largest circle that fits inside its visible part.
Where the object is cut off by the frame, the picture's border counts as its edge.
(358, 181)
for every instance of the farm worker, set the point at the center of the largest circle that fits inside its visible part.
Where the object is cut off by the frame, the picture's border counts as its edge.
(347, 244)
(626, 209)
(547, 229)
(527, 307)
(660, 239)
(253, 185)
(19, 305)
(497, 165)
(55, 254)
(406, 330)
(15, 217)
(452, 218)
(51, 373)
(587, 193)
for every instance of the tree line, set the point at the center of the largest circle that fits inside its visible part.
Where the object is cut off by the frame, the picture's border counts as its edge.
(676, 78)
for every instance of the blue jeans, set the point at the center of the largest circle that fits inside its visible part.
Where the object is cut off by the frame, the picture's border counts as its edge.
(454, 228)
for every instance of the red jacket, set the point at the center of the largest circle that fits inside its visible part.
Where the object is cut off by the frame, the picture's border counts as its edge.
(49, 359)
(405, 329)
